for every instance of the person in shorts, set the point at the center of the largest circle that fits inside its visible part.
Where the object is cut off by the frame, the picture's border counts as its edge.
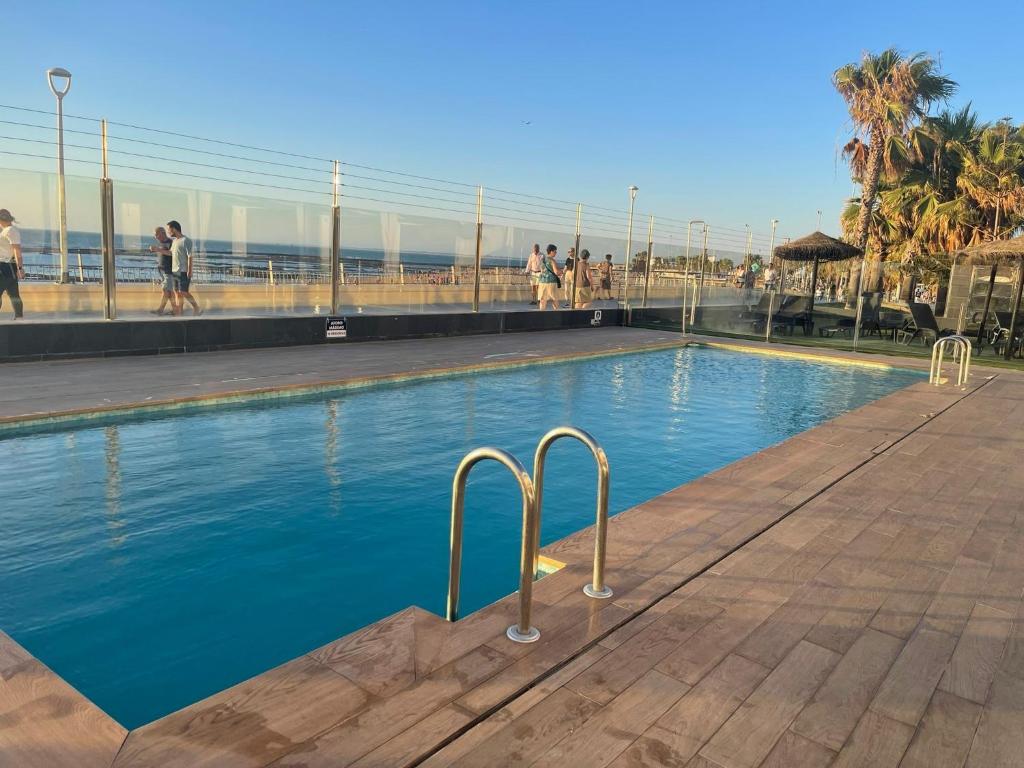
(568, 276)
(605, 270)
(181, 265)
(585, 277)
(163, 251)
(12, 265)
(547, 287)
(534, 265)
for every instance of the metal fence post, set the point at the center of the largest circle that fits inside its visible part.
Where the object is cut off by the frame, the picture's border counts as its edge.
(107, 233)
(650, 259)
(335, 239)
(576, 261)
(479, 247)
(633, 189)
(698, 289)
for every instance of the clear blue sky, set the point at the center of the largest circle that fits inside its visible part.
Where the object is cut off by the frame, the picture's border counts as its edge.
(723, 111)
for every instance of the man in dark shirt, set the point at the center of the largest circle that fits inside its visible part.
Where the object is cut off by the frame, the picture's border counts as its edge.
(163, 251)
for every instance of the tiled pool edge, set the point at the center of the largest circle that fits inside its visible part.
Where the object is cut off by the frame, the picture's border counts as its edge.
(85, 416)
(80, 417)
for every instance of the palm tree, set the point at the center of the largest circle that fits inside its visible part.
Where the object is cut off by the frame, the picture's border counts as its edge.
(886, 94)
(992, 176)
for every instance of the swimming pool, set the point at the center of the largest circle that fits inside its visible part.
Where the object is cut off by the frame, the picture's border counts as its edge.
(154, 561)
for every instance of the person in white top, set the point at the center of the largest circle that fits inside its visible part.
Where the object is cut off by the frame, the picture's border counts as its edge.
(12, 265)
(181, 265)
(534, 265)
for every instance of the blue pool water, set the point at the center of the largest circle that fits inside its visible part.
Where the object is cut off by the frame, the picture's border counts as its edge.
(156, 561)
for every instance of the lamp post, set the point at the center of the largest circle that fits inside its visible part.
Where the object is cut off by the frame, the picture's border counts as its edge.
(750, 240)
(633, 189)
(771, 244)
(59, 80)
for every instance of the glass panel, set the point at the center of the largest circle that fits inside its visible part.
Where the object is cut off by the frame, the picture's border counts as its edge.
(32, 200)
(400, 262)
(254, 255)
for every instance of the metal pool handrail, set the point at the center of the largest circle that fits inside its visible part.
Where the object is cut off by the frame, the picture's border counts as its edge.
(521, 632)
(598, 588)
(960, 344)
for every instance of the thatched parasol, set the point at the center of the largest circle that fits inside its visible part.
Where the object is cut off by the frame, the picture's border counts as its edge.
(998, 252)
(816, 247)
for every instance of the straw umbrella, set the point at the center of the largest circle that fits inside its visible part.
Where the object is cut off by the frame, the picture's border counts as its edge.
(816, 247)
(995, 253)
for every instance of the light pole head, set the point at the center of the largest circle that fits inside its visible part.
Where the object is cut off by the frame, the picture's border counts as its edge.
(632, 192)
(59, 80)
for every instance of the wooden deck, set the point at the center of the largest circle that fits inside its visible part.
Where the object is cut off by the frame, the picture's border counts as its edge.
(850, 597)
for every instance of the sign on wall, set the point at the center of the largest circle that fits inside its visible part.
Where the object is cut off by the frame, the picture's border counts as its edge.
(336, 328)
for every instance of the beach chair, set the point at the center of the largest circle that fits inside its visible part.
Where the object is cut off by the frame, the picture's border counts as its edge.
(999, 335)
(870, 321)
(921, 325)
(870, 314)
(758, 314)
(796, 311)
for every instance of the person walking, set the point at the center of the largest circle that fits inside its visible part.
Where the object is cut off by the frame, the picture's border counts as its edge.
(549, 280)
(585, 276)
(605, 269)
(12, 264)
(534, 266)
(568, 276)
(163, 251)
(181, 266)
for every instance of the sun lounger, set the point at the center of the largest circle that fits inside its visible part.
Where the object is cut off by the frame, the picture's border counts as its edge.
(922, 325)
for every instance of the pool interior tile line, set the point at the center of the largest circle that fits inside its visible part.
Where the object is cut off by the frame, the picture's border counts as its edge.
(673, 589)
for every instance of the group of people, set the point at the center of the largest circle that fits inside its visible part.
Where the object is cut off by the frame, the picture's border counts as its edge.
(174, 253)
(577, 280)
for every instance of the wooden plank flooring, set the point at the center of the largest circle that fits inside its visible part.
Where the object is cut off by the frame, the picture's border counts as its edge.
(881, 624)
(850, 597)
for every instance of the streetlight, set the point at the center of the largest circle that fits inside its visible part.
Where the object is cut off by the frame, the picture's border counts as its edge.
(59, 80)
(750, 240)
(633, 189)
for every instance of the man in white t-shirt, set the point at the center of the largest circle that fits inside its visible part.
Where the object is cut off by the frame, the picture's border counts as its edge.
(534, 265)
(181, 268)
(12, 266)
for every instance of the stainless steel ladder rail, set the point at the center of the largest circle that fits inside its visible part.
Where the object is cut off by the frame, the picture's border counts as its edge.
(521, 632)
(961, 349)
(597, 588)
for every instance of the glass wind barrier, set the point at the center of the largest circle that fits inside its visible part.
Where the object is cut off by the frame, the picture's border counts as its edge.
(252, 255)
(46, 294)
(401, 262)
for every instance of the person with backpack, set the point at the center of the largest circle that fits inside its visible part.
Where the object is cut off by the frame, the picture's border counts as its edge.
(550, 280)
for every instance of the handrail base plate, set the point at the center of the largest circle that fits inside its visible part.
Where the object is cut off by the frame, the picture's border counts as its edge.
(531, 635)
(598, 594)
